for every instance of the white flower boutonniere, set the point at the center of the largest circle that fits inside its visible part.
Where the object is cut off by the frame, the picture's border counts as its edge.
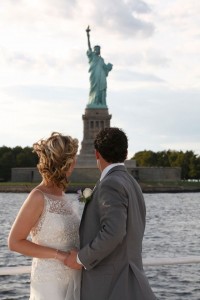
(85, 195)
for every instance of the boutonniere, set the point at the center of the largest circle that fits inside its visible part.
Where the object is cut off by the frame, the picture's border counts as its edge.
(85, 195)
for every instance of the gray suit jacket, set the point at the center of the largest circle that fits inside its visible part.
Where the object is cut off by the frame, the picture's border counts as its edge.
(111, 233)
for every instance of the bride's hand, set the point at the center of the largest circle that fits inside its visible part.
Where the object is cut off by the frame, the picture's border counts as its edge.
(62, 255)
(71, 260)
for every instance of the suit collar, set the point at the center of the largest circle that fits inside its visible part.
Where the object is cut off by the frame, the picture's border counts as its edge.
(110, 168)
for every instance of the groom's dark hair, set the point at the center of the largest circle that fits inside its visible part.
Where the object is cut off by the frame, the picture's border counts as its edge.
(112, 144)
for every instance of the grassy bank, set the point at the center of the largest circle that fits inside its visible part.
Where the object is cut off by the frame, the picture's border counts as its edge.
(170, 186)
(147, 187)
(26, 187)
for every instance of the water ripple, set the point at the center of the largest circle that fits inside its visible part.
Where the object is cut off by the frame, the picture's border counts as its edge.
(172, 230)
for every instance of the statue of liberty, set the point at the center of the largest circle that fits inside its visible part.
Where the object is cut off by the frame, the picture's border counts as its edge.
(98, 72)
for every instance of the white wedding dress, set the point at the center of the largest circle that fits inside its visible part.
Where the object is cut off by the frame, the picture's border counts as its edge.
(57, 228)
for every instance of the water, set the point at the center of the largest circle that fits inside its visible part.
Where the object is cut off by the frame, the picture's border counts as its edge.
(172, 230)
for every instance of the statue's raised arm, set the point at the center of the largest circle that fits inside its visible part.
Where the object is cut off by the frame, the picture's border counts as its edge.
(88, 37)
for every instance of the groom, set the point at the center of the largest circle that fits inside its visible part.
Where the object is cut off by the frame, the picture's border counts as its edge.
(112, 228)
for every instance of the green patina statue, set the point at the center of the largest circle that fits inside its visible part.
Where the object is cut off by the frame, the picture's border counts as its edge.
(98, 72)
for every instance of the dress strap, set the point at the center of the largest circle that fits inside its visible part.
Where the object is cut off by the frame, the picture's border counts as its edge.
(39, 191)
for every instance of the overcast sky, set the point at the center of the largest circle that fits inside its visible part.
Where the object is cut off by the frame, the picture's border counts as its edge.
(154, 87)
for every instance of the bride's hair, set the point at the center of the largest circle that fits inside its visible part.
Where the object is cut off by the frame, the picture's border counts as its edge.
(56, 155)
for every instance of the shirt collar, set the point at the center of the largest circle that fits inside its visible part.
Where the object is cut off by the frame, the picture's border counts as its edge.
(108, 168)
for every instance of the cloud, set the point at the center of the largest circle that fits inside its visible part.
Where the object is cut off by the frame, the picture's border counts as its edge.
(155, 58)
(30, 113)
(25, 60)
(128, 76)
(157, 119)
(60, 8)
(29, 68)
(42, 93)
(139, 6)
(153, 89)
(183, 146)
(16, 58)
(123, 18)
(118, 17)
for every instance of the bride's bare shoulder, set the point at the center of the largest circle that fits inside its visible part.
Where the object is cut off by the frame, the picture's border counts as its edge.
(35, 198)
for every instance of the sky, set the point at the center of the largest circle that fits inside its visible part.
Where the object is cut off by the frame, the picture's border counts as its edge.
(153, 91)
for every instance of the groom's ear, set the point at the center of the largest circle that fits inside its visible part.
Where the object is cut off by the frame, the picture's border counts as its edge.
(97, 154)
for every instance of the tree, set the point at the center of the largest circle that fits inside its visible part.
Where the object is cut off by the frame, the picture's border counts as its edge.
(6, 163)
(189, 162)
(16, 157)
(145, 158)
(26, 158)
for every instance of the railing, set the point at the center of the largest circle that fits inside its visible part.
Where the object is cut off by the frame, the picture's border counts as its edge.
(146, 262)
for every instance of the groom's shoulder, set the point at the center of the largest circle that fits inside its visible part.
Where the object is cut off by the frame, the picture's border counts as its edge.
(118, 168)
(114, 176)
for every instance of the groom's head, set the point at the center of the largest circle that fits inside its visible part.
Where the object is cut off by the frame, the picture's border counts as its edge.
(112, 144)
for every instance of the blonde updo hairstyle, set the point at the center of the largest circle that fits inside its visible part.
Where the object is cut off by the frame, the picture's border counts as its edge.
(56, 155)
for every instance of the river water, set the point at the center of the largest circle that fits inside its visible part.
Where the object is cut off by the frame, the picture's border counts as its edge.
(172, 230)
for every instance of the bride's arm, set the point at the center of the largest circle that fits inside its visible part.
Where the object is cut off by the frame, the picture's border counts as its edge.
(27, 217)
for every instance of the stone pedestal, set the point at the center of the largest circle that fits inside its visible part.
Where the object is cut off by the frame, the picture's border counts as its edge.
(86, 170)
(94, 120)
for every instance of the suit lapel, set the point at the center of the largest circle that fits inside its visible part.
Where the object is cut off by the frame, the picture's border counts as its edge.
(87, 203)
(114, 169)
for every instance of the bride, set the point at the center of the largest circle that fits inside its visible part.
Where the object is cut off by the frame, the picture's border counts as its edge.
(52, 222)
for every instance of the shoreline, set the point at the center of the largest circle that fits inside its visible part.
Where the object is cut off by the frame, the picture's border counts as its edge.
(73, 189)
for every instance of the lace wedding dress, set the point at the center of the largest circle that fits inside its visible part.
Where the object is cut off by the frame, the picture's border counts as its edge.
(57, 228)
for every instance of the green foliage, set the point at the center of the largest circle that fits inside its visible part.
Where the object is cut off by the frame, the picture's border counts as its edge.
(189, 162)
(6, 162)
(15, 157)
(26, 158)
